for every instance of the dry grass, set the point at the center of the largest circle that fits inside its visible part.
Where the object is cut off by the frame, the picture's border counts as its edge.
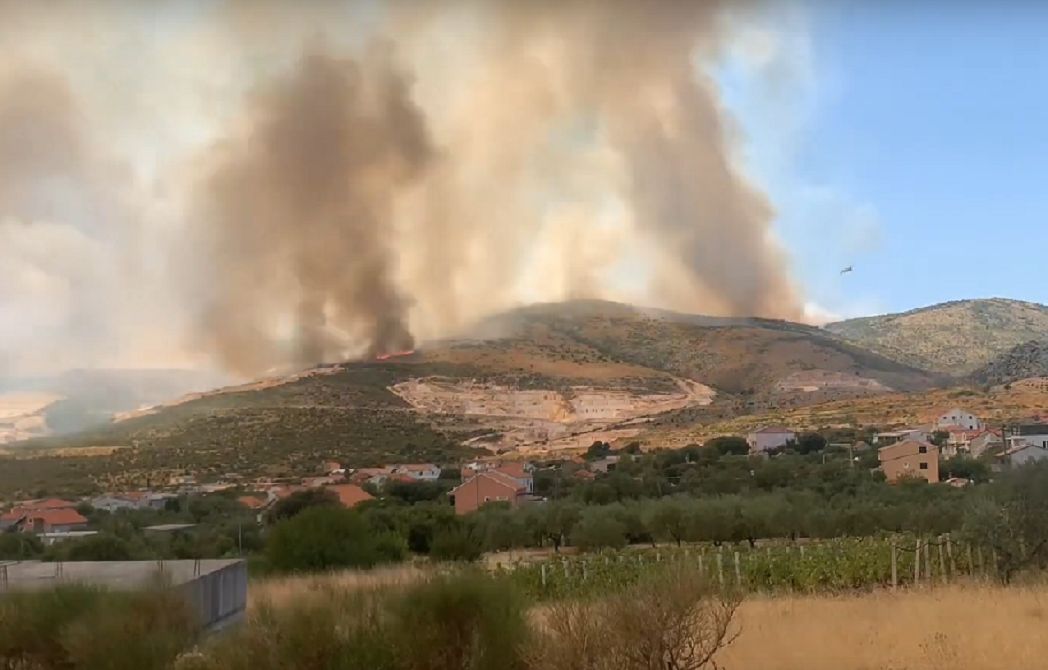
(960, 628)
(280, 590)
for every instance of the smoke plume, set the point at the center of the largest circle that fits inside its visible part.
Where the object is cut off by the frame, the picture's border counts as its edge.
(299, 214)
(307, 184)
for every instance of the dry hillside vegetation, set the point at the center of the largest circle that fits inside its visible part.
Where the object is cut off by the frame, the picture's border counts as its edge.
(1028, 360)
(998, 405)
(954, 338)
(748, 356)
(958, 628)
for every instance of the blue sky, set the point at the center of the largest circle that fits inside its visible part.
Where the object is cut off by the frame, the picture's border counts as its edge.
(906, 139)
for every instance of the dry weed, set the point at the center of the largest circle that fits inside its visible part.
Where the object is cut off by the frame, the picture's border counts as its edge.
(958, 628)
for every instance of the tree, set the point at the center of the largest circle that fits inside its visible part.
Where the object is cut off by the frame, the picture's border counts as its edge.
(456, 542)
(101, 547)
(965, 467)
(19, 546)
(1011, 517)
(669, 518)
(320, 538)
(729, 444)
(299, 501)
(553, 521)
(598, 529)
(810, 443)
(598, 450)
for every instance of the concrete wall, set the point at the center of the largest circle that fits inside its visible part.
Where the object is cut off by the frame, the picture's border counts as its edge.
(219, 597)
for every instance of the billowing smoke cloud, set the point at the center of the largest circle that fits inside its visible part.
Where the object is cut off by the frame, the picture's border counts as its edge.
(298, 213)
(331, 182)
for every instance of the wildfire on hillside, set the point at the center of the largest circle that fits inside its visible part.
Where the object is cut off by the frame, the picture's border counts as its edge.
(394, 354)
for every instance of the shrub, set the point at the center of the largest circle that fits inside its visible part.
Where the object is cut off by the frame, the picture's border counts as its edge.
(102, 547)
(598, 529)
(300, 501)
(464, 620)
(76, 627)
(672, 619)
(454, 622)
(455, 543)
(19, 546)
(321, 538)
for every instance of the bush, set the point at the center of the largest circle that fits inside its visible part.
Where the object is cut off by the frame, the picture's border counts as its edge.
(672, 619)
(102, 547)
(465, 620)
(321, 538)
(455, 543)
(86, 628)
(20, 546)
(300, 501)
(598, 529)
(455, 622)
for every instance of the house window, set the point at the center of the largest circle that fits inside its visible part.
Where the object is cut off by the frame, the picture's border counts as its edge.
(922, 450)
(924, 466)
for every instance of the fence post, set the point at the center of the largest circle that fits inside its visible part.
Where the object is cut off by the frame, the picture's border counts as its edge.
(543, 566)
(993, 561)
(942, 563)
(971, 565)
(802, 552)
(982, 563)
(895, 567)
(928, 562)
(917, 564)
(949, 554)
(738, 571)
(720, 567)
(702, 566)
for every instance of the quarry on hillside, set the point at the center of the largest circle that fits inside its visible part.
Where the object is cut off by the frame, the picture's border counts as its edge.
(547, 418)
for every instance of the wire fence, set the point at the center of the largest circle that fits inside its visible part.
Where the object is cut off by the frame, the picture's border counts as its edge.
(809, 567)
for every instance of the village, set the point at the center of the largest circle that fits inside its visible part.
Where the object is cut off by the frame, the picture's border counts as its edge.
(902, 454)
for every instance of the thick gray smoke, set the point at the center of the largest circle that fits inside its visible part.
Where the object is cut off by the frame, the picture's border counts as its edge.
(328, 181)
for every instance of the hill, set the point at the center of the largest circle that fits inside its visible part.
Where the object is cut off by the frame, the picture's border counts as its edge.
(954, 338)
(544, 377)
(1029, 359)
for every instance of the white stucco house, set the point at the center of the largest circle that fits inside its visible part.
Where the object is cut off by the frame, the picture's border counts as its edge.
(958, 418)
(770, 437)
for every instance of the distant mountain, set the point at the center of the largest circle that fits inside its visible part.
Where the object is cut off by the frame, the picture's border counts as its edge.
(1029, 359)
(954, 338)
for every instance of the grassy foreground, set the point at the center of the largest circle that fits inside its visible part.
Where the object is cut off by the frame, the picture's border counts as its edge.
(953, 628)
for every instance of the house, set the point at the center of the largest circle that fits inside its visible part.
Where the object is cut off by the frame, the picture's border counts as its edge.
(487, 487)
(605, 465)
(423, 472)
(374, 476)
(986, 441)
(349, 495)
(893, 436)
(1031, 433)
(252, 502)
(60, 520)
(1024, 454)
(22, 515)
(332, 468)
(519, 471)
(770, 437)
(957, 417)
(111, 503)
(910, 458)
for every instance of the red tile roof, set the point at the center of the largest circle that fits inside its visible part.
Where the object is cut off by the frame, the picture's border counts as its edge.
(57, 517)
(350, 495)
(46, 503)
(514, 469)
(251, 502)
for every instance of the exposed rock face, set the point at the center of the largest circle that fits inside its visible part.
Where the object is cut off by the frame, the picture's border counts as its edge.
(549, 417)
